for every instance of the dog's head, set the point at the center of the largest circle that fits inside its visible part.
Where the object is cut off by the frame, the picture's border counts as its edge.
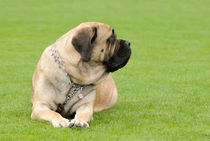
(97, 42)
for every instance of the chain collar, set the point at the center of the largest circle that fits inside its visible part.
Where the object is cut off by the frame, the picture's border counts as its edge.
(74, 89)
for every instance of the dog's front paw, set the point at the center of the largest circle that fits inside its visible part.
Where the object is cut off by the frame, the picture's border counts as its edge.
(77, 123)
(61, 123)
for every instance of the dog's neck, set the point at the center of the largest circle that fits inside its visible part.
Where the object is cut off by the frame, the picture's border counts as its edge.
(83, 73)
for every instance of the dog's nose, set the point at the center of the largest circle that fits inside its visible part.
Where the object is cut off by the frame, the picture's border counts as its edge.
(127, 43)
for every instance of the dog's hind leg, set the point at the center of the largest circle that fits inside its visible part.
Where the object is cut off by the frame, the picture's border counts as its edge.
(106, 95)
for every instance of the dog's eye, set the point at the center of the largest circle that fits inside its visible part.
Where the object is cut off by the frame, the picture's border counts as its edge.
(111, 39)
(102, 50)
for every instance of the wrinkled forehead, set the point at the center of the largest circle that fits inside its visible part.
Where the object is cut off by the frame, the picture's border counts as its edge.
(102, 28)
(97, 24)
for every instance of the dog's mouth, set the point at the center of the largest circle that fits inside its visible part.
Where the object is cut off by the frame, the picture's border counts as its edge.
(120, 58)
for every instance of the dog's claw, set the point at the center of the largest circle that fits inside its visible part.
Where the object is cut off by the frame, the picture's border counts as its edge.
(61, 123)
(77, 123)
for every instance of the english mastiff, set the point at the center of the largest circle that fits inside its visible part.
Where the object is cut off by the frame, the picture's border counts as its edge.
(73, 75)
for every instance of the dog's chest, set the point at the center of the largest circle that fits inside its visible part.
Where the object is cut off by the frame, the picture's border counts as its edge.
(72, 94)
(68, 93)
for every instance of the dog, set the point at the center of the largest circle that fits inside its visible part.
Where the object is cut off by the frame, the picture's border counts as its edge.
(73, 75)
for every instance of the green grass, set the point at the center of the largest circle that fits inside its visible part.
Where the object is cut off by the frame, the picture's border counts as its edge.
(164, 91)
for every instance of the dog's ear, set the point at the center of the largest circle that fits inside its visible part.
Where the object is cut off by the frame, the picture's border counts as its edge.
(83, 42)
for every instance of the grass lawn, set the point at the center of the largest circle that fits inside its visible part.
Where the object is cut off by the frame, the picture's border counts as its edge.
(164, 91)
